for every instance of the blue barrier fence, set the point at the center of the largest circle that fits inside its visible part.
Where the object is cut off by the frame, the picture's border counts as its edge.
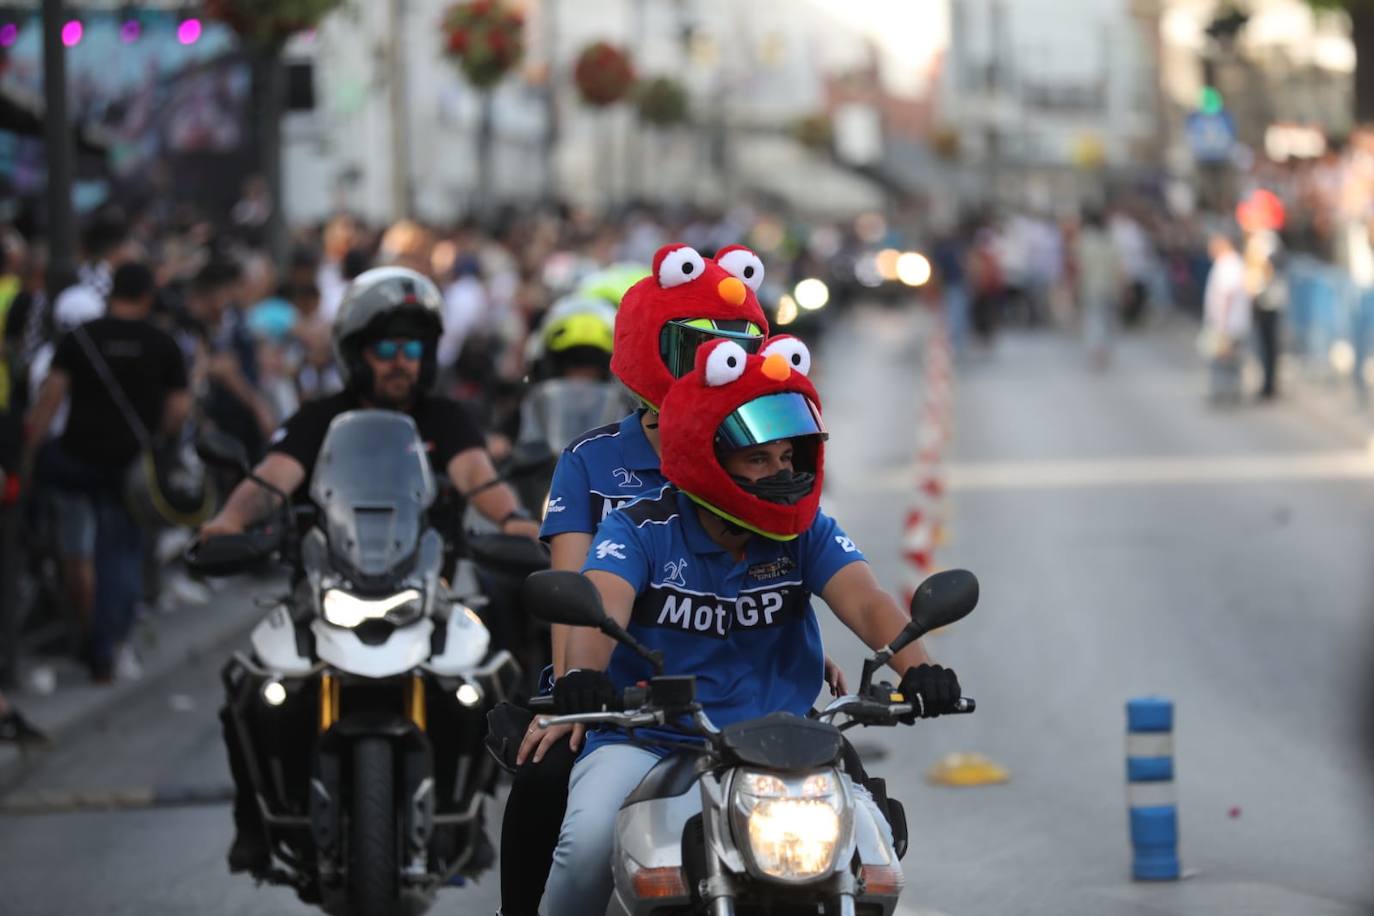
(1329, 322)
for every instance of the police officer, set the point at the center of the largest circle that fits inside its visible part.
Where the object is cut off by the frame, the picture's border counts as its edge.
(717, 572)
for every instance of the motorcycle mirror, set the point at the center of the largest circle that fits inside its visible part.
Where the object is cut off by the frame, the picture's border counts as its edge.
(940, 600)
(562, 596)
(508, 554)
(569, 598)
(221, 449)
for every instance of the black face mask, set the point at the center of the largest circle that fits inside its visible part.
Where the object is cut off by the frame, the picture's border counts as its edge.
(784, 487)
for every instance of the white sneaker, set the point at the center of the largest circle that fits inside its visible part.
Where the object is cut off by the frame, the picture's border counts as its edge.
(186, 590)
(126, 665)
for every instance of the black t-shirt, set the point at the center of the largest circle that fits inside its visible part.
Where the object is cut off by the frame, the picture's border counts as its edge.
(146, 363)
(446, 428)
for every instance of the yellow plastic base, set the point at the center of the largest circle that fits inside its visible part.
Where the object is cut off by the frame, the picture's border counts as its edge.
(966, 770)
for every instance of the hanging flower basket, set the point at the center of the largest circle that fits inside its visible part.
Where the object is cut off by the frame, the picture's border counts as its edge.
(662, 101)
(603, 74)
(485, 39)
(268, 22)
(814, 132)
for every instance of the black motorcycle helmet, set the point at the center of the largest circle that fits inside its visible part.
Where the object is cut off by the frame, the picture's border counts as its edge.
(381, 303)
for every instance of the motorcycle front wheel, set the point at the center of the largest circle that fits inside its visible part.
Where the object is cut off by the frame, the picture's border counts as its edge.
(372, 831)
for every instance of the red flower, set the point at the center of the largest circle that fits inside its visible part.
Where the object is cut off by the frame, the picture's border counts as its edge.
(458, 41)
(498, 41)
(481, 7)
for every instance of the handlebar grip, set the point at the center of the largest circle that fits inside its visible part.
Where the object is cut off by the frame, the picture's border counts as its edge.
(544, 702)
(963, 705)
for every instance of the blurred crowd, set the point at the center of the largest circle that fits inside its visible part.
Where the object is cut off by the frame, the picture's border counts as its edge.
(253, 333)
(1097, 271)
(252, 343)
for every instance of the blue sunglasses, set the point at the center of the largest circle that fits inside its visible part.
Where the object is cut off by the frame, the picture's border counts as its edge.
(387, 350)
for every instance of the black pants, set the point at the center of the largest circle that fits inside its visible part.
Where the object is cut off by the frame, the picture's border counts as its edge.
(1267, 330)
(529, 831)
(247, 818)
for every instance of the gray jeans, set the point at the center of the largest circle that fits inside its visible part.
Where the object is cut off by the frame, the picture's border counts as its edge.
(580, 883)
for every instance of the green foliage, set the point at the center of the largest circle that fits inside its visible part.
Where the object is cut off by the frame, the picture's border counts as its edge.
(1340, 4)
(268, 22)
(662, 101)
(814, 132)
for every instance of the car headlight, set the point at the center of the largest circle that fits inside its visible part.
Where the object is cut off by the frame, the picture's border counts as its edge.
(348, 611)
(792, 827)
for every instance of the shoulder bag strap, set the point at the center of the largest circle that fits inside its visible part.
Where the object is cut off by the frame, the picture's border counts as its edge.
(102, 369)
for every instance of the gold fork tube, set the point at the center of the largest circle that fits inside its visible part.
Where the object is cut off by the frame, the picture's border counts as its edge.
(415, 701)
(329, 701)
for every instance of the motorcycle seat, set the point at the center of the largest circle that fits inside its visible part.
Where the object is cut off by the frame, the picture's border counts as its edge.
(669, 778)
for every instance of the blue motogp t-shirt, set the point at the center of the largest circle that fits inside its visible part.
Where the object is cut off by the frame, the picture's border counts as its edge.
(745, 628)
(599, 472)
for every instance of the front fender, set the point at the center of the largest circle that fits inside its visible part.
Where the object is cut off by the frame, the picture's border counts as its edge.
(404, 650)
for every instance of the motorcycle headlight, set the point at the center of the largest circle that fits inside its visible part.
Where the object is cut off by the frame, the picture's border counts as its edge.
(792, 827)
(348, 611)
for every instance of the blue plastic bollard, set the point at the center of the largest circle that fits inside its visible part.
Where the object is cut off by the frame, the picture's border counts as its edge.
(1150, 789)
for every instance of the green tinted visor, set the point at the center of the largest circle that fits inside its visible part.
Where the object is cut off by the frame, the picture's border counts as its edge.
(786, 415)
(679, 340)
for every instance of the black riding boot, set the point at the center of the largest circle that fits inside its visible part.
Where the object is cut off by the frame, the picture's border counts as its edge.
(249, 851)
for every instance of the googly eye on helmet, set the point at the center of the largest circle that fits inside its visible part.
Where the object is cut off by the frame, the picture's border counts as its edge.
(687, 301)
(734, 404)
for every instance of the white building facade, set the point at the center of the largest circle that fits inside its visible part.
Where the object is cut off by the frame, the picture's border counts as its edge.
(751, 70)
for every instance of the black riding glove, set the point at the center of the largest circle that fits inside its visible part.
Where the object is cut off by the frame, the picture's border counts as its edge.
(931, 690)
(584, 691)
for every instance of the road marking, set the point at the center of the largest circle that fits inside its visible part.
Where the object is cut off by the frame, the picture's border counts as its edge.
(1015, 475)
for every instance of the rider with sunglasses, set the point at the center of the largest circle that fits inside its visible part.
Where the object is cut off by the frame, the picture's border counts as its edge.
(385, 338)
(385, 334)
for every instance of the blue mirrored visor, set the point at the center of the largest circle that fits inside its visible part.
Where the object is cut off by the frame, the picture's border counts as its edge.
(679, 340)
(767, 419)
(386, 350)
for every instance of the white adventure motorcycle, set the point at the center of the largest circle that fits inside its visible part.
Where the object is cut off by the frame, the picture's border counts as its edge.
(359, 710)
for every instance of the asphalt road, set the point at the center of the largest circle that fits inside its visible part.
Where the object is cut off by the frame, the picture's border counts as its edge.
(1129, 541)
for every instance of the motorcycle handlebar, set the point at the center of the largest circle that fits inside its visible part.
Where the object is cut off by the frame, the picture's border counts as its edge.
(962, 706)
(857, 707)
(851, 705)
(626, 719)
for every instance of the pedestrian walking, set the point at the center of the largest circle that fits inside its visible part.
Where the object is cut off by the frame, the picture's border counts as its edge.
(1226, 319)
(118, 371)
(1100, 281)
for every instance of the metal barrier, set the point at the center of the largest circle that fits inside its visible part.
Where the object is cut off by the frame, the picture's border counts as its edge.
(1329, 320)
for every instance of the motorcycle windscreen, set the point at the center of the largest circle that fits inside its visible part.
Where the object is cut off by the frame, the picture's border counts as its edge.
(372, 484)
(557, 411)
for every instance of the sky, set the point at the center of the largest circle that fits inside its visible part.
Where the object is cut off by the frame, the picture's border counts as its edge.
(908, 31)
